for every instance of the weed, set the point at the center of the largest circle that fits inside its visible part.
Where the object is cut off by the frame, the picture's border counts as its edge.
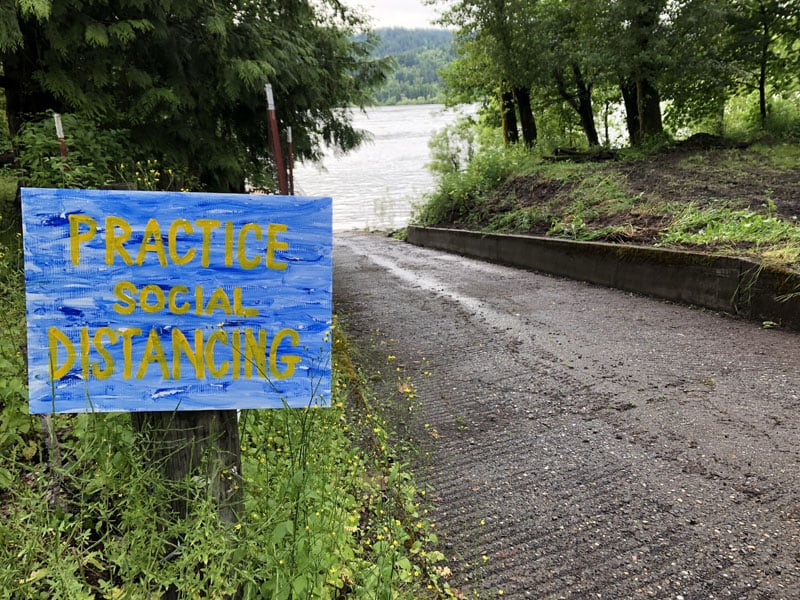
(323, 518)
(727, 226)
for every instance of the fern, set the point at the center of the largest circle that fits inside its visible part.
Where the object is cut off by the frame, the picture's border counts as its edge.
(96, 35)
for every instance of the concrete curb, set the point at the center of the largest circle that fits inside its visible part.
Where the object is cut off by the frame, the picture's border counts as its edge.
(733, 285)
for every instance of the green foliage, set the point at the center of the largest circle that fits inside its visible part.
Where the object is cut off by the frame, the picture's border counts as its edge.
(511, 190)
(186, 79)
(18, 430)
(594, 196)
(461, 193)
(743, 119)
(322, 519)
(726, 226)
(688, 58)
(453, 147)
(419, 55)
(93, 153)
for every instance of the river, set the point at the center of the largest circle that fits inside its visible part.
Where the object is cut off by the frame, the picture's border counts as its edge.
(378, 185)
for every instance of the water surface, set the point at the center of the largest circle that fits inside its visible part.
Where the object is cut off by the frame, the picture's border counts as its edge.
(377, 186)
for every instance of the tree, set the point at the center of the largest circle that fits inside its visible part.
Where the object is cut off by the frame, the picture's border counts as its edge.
(186, 78)
(567, 62)
(488, 37)
(759, 39)
(638, 55)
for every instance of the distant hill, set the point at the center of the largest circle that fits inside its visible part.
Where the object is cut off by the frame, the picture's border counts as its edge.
(419, 54)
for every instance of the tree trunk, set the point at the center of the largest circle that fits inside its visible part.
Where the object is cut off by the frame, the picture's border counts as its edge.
(762, 74)
(584, 107)
(649, 105)
(509, 116)
(196, 444)
(527, 121)
(580, 101)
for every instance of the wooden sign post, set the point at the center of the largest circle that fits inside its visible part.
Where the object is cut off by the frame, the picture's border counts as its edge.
(180, 308)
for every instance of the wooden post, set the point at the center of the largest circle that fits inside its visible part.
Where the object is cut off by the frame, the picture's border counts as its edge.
(202, 444)
(276, 143)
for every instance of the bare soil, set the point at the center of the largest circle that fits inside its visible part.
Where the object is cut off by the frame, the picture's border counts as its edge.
(703, 170)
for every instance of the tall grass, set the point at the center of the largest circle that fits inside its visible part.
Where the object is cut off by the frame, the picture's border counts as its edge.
(84, 517)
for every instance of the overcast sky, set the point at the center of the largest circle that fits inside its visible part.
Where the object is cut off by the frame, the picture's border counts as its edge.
(397, 13)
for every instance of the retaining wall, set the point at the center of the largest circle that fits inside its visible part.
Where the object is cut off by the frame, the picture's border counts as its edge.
(738, 286)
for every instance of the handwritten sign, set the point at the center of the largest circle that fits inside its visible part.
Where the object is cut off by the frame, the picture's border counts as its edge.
(161, 301)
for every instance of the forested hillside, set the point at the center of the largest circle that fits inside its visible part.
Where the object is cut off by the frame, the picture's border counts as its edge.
(419, 55)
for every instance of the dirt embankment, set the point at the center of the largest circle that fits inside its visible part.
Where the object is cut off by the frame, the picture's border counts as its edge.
(704, 171)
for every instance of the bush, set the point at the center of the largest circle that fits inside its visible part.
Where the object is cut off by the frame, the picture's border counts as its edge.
(93, 153)
(322, 519)
(461, 192)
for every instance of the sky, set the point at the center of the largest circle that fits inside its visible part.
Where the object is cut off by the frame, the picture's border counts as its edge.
(397, 13)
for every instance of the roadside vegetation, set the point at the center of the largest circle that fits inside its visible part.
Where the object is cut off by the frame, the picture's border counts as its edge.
(668, 123)
(330, 510)
(735, 195)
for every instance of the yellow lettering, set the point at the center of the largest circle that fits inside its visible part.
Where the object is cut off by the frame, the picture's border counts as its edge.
(173, 242)
(127, 350)
(218, 301)
(228, 243)
(289, 360)
(195, 355)
(115, 244)
(273, 229)
(76, 238)
(108, 371)
(237, 354)
(158, 293)
(55, 337)
(244, 262)
(152, 242)
(173, 307)
(238, 309)
(85, 353)
(153, 352)
(208, 226)
(255, 353)
(124, 291)
(221, 336)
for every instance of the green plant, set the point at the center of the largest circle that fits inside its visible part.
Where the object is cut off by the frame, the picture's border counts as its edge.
(92, 153)
(323, 518)
(461, 193)
(724, 225)
(453, 147)
(19, 432)
(150, 175)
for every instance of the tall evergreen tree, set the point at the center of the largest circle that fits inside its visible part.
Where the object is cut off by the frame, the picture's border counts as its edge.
(187, 77)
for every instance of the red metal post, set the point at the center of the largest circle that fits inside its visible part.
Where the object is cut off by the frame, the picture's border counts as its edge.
(283, 188)
(291, 160)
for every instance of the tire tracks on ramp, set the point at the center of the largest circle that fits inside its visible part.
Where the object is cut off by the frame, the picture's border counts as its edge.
(587, 442)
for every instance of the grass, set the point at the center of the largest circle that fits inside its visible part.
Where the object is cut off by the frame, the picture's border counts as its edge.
(330, 510)
(698, 199)
(324, 517)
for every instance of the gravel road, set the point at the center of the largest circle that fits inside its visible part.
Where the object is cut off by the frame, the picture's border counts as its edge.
(581, 442)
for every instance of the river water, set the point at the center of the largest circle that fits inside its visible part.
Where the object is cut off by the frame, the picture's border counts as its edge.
(378, 185)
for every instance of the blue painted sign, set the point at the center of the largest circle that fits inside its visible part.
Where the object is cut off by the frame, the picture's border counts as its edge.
(161, 301)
